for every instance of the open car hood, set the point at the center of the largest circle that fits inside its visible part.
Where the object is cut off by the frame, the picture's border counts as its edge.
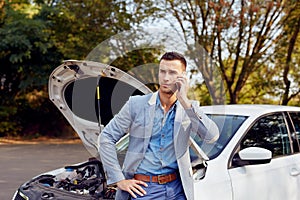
(89, 94)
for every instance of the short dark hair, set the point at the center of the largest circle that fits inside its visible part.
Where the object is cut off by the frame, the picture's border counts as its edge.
(174, 56)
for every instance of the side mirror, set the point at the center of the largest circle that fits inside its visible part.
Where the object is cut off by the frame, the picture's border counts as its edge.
(252, 156)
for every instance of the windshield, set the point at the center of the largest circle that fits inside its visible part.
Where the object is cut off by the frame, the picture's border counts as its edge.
(228, 125)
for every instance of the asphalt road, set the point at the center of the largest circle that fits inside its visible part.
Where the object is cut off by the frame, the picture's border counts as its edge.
(19, 163)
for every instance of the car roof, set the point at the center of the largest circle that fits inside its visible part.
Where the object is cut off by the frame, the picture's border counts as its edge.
(247, 109)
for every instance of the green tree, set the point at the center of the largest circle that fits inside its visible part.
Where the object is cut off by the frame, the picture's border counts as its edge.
(239, 35)
(26, 56)
(35, 37)
(288, 53)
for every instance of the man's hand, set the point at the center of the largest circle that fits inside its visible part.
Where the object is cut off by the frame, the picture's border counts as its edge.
(182, 86)
(132, 186)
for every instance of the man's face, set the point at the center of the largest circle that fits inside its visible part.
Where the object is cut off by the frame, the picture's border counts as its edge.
(167, 75)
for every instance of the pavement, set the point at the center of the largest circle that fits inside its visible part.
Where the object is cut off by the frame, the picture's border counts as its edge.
(39, 140)
(21, 160)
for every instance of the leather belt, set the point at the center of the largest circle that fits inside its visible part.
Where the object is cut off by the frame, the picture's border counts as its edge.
(161, 179)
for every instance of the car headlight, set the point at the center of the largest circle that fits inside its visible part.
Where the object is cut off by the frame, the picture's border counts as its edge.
(19, 196)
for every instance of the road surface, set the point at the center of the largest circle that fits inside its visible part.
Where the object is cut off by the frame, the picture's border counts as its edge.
(19, 163)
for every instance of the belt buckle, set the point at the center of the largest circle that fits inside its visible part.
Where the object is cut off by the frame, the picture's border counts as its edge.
(160, 179)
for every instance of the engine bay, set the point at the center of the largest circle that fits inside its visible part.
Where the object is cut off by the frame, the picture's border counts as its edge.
(83, 181)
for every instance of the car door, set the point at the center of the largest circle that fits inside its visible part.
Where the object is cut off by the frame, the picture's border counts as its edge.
(294, 124)
(275, 180)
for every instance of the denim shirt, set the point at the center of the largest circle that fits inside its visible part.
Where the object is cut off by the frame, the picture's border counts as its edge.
(160, 155)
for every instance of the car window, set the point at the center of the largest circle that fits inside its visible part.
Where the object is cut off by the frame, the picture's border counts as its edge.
(269, 132)
(295, 129)
(228, 125)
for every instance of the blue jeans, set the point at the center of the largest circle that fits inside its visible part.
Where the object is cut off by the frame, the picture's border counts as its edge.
(170, 191)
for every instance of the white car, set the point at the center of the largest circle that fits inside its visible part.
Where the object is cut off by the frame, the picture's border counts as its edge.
(256, 157)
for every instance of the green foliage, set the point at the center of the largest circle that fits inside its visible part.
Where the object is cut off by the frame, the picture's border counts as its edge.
(254, 43)
(136, 58)
(287, 57)
(200, 93)
(26, 56)
(35, 37)
(239, 35)
(7, 123)
(141, 64)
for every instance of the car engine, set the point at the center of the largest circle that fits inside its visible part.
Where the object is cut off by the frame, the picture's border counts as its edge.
(83, 181)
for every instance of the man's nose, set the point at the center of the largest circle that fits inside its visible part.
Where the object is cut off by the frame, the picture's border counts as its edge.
(166, 76)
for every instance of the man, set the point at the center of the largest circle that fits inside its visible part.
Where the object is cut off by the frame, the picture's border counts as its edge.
(157, 163)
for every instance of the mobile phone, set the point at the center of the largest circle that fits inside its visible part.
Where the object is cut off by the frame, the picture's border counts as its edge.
(177, 86)
(174, 87)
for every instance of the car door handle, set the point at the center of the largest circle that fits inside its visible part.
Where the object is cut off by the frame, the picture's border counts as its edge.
(294, 172)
